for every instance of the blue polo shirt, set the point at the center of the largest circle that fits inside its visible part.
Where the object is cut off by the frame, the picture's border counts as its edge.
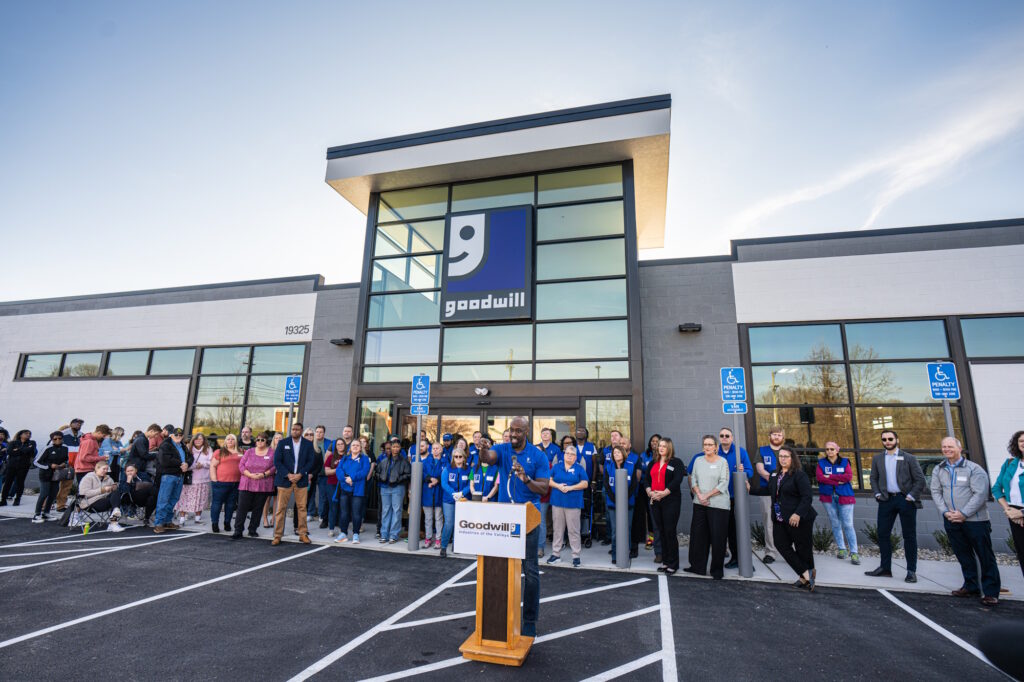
(535, 464)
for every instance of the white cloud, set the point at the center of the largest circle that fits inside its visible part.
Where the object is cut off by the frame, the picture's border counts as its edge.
(992, 109)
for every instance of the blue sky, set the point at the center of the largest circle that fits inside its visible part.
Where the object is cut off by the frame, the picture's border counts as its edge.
(163, 144)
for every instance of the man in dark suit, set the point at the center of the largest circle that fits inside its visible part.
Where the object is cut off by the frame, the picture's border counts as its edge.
(294, 461)
(898, 484)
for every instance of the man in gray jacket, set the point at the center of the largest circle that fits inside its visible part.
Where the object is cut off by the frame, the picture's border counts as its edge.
(960, 491)
(898, 484)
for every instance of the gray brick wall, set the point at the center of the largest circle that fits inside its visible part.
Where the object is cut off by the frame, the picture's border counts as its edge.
(681, 379)
(329, 383)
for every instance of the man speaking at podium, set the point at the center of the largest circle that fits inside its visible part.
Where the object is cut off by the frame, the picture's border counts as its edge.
(524, 473)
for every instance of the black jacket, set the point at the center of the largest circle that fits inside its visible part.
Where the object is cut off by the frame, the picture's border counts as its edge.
(793, 496)
(168, 462)
(51, 455)
(23, 449)
(394, 471)
(139, 455)
(674, 475)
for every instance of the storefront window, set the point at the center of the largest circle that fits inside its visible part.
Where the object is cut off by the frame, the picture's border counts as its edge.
(81, 365)
(129, 363)
(401, 346)
(492, 193)
(807, 343)
(597, 298)
(895, 340)
(567, 371)
(993, 337)
(572, 340)
(399, 238)
(582, 220)
(400, 375)
(579, 185)
(507, 372)
(173, 362)
(375, 422)
(581, 259)
(405, 274)
(37, 366)
(404, 310)
(412, 204)
(225, 360)
(472, 344)
(890, 382)
(798, 384)
(604, 416)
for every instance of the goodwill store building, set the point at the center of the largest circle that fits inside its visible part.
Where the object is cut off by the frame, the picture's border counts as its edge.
(502, 259)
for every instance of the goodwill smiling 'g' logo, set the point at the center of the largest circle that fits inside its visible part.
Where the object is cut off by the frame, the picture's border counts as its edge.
(488, 259)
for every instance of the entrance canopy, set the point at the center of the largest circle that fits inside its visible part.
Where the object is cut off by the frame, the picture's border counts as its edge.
(636, 129)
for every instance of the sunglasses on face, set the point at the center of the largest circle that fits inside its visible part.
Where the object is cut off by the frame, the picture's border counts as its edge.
(724, 436)
(888, 440)
(261, 440)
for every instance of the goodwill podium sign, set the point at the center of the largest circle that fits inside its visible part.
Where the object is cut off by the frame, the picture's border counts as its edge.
(490, 529)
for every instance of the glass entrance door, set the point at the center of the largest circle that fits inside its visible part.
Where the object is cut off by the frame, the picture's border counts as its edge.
(492, 423)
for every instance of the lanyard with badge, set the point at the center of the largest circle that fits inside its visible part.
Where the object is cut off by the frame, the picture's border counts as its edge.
(776, 507)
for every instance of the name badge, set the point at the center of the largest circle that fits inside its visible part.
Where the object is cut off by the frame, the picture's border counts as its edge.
(899, 458)
(961, 478)
(287, 447)
(712, 466)
(671, 468)
(840, 470)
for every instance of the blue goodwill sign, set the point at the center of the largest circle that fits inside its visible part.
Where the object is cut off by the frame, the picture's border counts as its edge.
(488, 263)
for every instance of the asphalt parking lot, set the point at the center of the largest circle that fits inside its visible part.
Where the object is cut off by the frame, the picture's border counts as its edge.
(188, 606)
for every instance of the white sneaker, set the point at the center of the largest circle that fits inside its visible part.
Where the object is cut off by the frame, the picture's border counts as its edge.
(181, 520)
(37, 519)
(115, 527)
(355, 538)
(199, 518)
(342, 538)
(115, 515)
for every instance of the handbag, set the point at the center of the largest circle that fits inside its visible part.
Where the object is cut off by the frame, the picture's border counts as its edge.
(64, 474)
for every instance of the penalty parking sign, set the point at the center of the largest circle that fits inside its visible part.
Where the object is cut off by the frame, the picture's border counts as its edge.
(942, 381)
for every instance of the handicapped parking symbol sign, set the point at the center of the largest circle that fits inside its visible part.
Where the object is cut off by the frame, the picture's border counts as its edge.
(292, 388)
(942, 381)
(734, 384)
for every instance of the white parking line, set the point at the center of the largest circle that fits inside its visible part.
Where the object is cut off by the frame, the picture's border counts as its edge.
(77, 539)
(52, 551)
(668, 640)
(545, 600)
(9, 518)
(463, 584)
(147, 600)
(9, 569)
(459, 660)
(625, 668)
(340, 652)
(938, 628)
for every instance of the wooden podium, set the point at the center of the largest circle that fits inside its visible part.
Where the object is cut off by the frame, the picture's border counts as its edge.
(499, 612)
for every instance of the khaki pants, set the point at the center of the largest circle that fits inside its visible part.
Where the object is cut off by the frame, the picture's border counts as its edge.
(284, 499)
(62, 494)
(564, 518)
(769, 526)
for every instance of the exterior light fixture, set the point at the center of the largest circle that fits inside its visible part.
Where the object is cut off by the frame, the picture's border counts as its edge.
(342, 342)
(482, 391)
(689, 327)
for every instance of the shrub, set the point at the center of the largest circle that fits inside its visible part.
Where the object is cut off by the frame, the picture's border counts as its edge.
(822, 539)
(872, 532)
(757, 533)
(944, 544)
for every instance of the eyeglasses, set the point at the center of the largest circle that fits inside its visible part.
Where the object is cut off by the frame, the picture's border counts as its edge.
(832, 449)
(888, 440)
(725, 435)
(261, 440)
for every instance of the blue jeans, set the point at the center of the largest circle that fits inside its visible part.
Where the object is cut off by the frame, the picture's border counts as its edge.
(324, 493)
(333, 508)
(970, 539)
(391, 519)
(897, 505)
(223, 495)
(167, 497)
(543, 506)
(449, 524)
(841, 518)
(611, 526)
(531, 584)
(351, 510)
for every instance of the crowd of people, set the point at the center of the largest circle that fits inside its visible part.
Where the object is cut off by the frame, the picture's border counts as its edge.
(165, 477)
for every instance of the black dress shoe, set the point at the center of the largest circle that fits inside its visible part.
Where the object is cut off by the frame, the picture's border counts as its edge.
(253, 534)
(444, 553)
(215, 528)
(634, 554)
(768, 559)
(879, 573)
(911, 577)
(323, 524)
(732, 564)
(227, 527)
(236, 536)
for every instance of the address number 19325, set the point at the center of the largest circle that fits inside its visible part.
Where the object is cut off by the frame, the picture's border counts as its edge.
(296, 329)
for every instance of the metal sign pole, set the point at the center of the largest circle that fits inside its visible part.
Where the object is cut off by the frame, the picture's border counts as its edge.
(291, 408)
(949, 418)
(742, 502)
(622, 525)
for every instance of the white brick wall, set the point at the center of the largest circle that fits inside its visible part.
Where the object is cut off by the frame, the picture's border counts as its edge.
(918, 283)
(43, 405)
(999, 394)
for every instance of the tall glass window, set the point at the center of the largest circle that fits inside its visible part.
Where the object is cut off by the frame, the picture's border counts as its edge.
(847, 382)
(244, 385)
(579, 275)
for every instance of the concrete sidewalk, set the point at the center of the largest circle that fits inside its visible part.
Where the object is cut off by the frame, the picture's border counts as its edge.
(934, 577)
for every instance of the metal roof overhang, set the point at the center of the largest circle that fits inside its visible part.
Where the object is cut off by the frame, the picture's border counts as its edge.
(636, 130)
